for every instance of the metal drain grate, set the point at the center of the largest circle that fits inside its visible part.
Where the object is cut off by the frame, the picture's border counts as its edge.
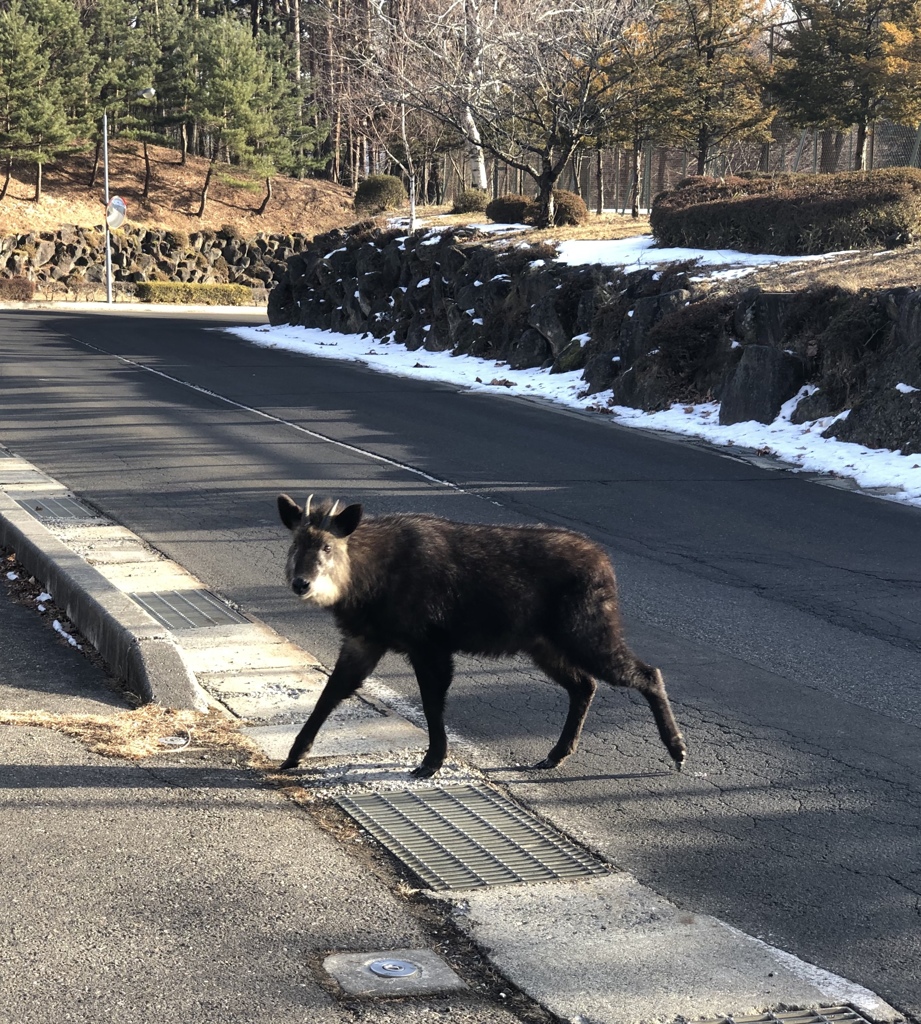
(59, 508)
(824, 1015)
(468, 838)
(188, 609)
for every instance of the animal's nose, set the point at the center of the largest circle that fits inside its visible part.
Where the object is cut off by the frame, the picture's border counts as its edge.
(300, 586)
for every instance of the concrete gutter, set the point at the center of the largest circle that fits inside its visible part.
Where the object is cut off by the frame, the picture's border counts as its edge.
(137, 649)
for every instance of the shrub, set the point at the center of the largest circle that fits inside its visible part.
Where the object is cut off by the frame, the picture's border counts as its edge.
(792, 214)
(568, 208)
(177, 239)
(16, 289)
(378, 193)
(508, 209)
(195, 294)
(471, 200)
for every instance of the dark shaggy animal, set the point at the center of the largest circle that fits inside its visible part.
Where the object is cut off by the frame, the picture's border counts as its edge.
(427, 587)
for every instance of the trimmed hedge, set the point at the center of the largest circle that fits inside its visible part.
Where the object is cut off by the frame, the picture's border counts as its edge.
(471, 200)
(516, 209)
(195, 294)
(378, 193)
(509, 209)
(792, 214)
(17, 289)
(568, 208)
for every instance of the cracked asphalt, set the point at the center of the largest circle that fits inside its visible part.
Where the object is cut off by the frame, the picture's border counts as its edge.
(785, 615)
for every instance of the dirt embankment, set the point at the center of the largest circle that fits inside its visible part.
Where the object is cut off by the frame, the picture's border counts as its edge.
(174, 196)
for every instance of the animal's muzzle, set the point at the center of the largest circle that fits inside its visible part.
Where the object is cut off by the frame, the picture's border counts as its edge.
(300, 585)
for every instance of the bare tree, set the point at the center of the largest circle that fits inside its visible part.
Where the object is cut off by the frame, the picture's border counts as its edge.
(533, 89)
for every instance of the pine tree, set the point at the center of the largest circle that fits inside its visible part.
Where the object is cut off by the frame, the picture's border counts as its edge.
(33, 124)
(231, 95)
(719, 72)
(848, 63)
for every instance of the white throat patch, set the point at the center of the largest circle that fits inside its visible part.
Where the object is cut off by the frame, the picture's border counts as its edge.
(324, 591)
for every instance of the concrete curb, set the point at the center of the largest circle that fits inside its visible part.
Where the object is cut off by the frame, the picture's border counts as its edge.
(137, 649)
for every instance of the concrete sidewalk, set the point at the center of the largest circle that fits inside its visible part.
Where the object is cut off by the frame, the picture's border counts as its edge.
(181, 887)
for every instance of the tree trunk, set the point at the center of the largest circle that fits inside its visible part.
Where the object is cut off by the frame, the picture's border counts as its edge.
(635, 179)
(600, 171)
(268, 196)
(7, 177)
(860, 148)
(703, 148)
(146, 191)
(38, 182)
(832, 144)
(663, 167)
(204, 191)
(92, 182)
(476, 156)
(546, 205)
(412, 202)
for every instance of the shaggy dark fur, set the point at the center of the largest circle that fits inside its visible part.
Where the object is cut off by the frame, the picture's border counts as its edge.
(426, 587)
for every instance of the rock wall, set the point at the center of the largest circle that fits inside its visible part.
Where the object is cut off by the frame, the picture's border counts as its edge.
(71, 262)
(645, 339)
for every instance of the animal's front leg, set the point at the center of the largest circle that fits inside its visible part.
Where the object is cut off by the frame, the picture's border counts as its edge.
(434, 670)
(357, 660)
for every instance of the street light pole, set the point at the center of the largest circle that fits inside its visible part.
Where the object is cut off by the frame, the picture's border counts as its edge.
(118, 214)
(105, 174)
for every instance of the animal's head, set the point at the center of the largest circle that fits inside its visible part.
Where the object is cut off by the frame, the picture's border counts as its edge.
(318, 567)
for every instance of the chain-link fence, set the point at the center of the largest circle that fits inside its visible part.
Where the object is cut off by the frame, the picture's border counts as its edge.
(606, 179)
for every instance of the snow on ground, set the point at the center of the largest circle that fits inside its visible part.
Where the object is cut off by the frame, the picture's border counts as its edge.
(801, 446)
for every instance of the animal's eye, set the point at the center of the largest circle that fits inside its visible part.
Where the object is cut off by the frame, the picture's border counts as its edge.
(326, 549)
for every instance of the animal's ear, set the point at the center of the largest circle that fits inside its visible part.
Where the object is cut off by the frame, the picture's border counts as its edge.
(345, 524)
(292, 515)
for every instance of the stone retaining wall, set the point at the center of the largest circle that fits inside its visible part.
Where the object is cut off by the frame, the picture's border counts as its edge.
(71, 262)
(645, 338)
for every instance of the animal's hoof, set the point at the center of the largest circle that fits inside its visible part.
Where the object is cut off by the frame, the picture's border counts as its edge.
(548, 762)
(288, 764)
(424, 771)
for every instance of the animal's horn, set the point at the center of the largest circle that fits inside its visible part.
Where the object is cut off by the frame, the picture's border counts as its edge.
(332, 511)
(307, 508)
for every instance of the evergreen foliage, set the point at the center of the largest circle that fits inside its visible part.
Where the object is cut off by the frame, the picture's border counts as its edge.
(378, 193)
(396, 85)
(33, 125)
(471, 200)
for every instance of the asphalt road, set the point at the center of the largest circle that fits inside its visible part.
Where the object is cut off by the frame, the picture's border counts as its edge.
(786, 615)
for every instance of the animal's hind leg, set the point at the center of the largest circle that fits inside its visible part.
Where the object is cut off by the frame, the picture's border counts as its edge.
(355, 663)
(653, 689)
(628, 670)
(581, 689)
(434, 670)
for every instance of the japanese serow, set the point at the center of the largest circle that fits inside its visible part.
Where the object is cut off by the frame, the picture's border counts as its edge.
(427, 588)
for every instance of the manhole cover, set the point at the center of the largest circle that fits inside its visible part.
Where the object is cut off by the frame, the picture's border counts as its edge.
(824, 1015)
(401, 972)
(467, 838)
(392, 968)
(188, 609)
(59, 508)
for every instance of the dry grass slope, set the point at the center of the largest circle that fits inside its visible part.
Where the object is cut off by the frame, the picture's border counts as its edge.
(305, 207)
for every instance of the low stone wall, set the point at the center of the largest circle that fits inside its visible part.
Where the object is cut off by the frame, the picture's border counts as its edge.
(70, 263)
(650, 337)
